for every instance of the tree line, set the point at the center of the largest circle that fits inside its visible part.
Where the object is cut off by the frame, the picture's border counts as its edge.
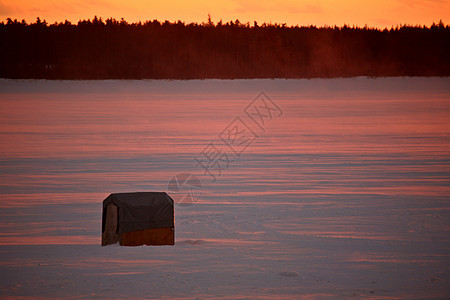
(116, 49)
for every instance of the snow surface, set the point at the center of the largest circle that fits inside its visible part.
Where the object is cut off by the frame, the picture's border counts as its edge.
(343, 196)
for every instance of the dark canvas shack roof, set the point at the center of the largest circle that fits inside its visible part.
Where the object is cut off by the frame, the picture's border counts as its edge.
(140, 211)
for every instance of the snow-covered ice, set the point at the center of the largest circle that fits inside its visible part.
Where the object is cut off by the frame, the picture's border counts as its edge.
(343, 195)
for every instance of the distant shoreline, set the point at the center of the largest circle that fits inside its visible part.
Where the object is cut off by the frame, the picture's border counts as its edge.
(112, 49)
(226, 79)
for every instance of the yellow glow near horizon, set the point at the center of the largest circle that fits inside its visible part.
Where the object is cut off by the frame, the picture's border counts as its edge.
(381, 13)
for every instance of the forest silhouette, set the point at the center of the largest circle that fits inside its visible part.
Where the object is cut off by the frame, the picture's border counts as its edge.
(116, 49)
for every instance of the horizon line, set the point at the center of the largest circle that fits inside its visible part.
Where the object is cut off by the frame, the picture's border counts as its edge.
(209, 22)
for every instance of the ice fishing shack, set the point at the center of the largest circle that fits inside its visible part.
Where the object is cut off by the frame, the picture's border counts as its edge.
(135, 219)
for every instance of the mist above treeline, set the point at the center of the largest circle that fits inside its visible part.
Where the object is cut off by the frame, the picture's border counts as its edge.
(116, 49)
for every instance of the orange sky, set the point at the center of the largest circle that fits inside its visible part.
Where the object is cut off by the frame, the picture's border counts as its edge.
(380, 13)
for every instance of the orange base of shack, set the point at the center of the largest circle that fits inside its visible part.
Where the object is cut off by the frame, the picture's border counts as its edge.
(150, 237)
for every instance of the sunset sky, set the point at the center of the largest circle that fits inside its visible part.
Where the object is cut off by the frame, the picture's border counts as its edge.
(380, 13)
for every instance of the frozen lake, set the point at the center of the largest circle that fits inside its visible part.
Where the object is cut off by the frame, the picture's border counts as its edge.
(322, 189)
